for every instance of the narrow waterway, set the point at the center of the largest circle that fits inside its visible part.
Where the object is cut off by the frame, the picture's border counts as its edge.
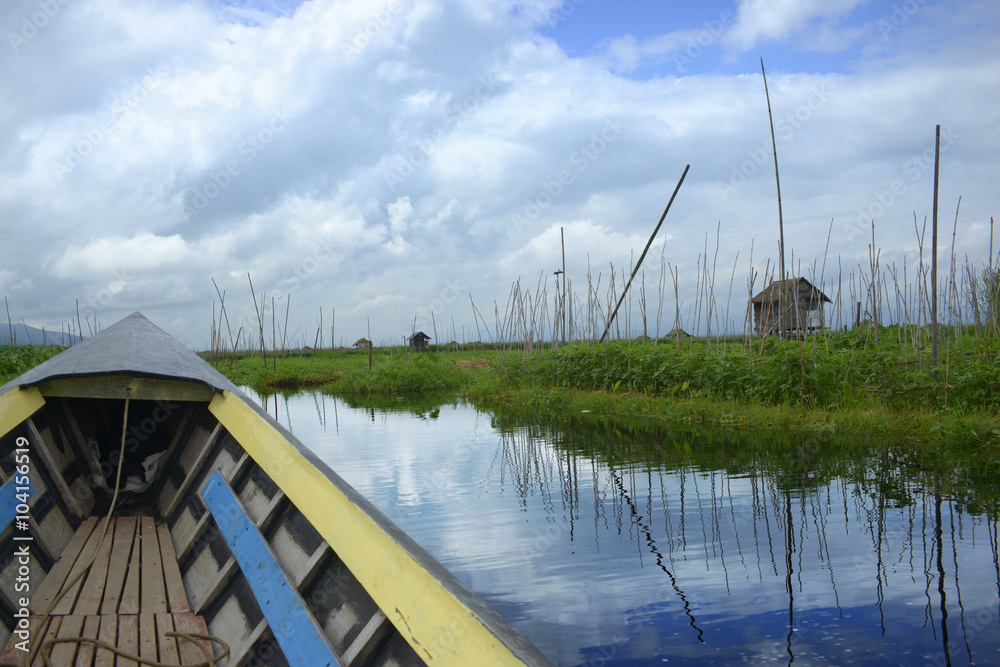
(607, 547)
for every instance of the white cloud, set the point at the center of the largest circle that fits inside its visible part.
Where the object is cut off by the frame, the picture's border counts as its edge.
(11, 282)
(143, 252)
(400, 212)
(338, 154)
(771, 20)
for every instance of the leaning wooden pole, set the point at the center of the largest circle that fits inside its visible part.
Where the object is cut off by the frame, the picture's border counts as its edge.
(643, 255)
(777, 181)
(562, 241)
(782, 293)
(934, 236)
(10, 327)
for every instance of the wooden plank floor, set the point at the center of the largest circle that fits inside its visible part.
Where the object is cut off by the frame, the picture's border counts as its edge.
(131, 595)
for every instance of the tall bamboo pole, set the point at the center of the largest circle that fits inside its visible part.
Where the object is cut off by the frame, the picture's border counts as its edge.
(934, 238)
(782, 296)
(562, 240)
(10, 327)
(643, 255)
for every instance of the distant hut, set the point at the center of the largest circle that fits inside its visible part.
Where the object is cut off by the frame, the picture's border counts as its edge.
(418, 341)
(803, 308)
(362, 343)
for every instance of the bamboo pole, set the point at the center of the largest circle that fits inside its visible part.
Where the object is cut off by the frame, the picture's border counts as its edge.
(934, 237)
(991, 302)
(782, 297)
(284, 333)
(260, 317)
(10, 327)
(643, 255)
(562, 240)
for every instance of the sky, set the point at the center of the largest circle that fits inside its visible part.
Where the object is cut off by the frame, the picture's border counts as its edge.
(404, 165)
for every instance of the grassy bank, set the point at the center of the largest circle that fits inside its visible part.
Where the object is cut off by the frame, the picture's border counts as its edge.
(872, 381)
(977, 430)
(842, 385)
(870, 368)
(353, 372)
(877, 380)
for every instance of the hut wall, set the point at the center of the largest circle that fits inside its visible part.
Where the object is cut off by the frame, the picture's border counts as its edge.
(804, 314)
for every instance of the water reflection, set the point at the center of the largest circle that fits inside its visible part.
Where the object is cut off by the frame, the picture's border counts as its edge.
(860, 550)
(684, 545)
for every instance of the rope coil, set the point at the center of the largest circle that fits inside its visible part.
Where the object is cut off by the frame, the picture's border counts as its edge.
(193, 637)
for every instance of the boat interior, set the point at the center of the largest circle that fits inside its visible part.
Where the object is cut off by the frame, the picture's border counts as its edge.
(167, 571)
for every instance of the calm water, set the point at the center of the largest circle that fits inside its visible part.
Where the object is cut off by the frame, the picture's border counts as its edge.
(617, 548)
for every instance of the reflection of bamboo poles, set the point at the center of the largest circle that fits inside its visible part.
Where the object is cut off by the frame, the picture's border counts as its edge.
(789, 549)
(939, 544)
(787, 512)
(651, 543)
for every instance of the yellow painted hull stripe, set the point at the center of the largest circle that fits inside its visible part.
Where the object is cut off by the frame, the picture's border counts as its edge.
(16, 406)
(439, 627)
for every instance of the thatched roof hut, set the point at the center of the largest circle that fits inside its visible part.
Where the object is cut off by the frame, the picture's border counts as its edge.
(803, 308)
(418, 341)
(362, 343)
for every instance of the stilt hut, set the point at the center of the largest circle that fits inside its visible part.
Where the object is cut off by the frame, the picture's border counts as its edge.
(803, 308)
(418, 341)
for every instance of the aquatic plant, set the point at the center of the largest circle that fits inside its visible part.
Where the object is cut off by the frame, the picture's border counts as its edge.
(16, 359)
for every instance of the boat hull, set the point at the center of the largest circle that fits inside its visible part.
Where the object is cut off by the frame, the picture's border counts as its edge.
(280, 557)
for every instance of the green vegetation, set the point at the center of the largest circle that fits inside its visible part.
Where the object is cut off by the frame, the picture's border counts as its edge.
(872, 380)
(876, 381)
(983, 296)
(870, 368)
(15, 359)
(346, 372)
(798, 461)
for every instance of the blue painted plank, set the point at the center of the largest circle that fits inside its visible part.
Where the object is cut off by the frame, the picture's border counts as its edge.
(9, 501)
(296, 631)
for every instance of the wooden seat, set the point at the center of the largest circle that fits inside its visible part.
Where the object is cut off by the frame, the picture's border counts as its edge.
(131, 597)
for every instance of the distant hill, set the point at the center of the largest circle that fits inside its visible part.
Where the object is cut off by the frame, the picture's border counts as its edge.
(25, 335)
